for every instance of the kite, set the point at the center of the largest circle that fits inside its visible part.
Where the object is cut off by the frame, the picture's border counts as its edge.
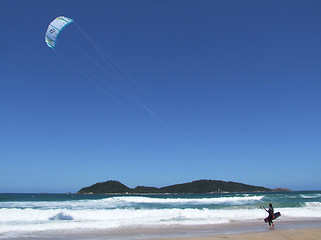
(54, 29)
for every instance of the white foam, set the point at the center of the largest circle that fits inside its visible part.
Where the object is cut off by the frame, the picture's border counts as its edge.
(313, 204)
(300, 213)
(127, 201)
(36, 220)
(217, 200)
(315, 195)
(115, 212)
(78, 204)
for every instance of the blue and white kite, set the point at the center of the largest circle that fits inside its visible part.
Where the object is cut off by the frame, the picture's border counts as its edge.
(54, 28)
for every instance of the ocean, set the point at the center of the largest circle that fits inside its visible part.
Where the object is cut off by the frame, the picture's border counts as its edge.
(31, 214)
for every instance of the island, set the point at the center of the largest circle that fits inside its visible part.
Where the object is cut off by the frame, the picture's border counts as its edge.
(199, 186)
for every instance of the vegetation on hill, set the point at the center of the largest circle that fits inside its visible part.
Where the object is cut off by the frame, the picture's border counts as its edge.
(106, 187)
(200, 186)
(208, 186)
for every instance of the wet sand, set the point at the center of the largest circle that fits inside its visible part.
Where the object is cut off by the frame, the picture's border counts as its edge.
(293, 230)
(302, 234)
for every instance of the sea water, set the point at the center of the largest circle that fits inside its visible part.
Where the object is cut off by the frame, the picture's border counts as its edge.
(22, 214)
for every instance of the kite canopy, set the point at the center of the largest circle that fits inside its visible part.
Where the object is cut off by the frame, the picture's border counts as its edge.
(55, 28)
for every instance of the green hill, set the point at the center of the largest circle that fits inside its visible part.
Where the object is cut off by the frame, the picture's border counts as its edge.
(208, 186)
(106, 187)
(200, 186)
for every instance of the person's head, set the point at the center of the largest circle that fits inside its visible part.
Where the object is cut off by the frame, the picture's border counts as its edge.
(270, 204)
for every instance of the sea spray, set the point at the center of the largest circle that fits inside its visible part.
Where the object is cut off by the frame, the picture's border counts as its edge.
(88, 212)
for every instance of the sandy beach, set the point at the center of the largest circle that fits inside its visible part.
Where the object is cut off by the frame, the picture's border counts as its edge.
(302, 234)
(303, 230)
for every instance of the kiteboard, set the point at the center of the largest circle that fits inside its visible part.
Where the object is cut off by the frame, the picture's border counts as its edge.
(275, 216)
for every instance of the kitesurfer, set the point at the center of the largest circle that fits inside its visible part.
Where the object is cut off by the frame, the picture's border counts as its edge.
(270, 217)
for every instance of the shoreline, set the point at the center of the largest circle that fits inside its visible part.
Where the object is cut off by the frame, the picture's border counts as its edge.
(234, 230)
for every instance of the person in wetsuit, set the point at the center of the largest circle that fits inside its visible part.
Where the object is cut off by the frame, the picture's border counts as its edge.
(270, 212)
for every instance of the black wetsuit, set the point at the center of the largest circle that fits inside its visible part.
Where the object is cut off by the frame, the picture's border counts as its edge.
(270, 218)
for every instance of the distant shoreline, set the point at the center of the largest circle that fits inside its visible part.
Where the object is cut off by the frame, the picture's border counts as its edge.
(177, 193)
(195, 187)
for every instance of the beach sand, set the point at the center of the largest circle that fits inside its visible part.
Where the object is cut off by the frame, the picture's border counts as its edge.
(299, 230)
(302, 234)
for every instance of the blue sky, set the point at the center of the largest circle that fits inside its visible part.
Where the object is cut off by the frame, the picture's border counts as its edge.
(233, 89)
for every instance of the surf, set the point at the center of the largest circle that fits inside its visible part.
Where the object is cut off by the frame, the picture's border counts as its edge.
(111, 212)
